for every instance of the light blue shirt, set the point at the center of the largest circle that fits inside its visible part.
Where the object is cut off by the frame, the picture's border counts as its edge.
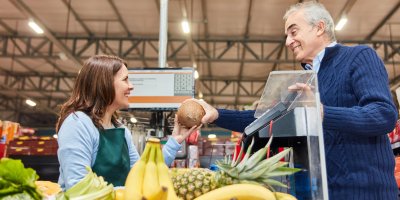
(78, 142)
(318, 59)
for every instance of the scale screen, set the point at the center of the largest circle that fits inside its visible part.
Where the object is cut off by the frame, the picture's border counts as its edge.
(160, 88)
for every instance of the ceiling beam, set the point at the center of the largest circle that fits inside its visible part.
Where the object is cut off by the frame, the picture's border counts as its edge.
(119, 17)
(244, 50)
(124, 26)
(345, 10)
(383, 21)
(25, 96)
(8, 28)
(30, 14)
(77, 17)
(259, 54)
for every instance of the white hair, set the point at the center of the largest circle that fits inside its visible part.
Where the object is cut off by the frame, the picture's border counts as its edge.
(313, 13)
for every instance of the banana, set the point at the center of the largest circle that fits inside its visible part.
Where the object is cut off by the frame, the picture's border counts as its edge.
(163, 175)
(162, 194)
(134, 181)
(119, 194)
(284, 196)
(150, 182)
(242, 191)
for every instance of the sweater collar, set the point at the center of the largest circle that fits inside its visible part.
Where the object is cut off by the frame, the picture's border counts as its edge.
(330, 51)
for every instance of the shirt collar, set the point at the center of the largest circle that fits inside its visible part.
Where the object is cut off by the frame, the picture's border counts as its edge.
(317, 60)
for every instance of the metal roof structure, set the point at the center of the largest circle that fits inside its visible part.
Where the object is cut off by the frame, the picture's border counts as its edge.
(233, 44)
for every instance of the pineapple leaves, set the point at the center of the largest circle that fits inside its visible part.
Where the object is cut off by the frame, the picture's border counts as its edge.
(241, 165)
(272, 182)
(281, 171)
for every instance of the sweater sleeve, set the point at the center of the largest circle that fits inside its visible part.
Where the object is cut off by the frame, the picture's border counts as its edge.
(170, 149)
(76, 146)
(234, 120)
(375, 113)
(133, 153)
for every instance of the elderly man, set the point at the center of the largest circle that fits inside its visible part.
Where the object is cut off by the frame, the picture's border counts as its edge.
(357, 106)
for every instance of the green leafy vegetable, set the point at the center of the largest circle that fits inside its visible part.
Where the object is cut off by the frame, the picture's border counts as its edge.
(16, 181)
(90, 187)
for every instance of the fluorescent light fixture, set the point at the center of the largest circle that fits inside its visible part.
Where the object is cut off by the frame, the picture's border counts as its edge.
(212, 136)
(62, 56)
(133, 120)
(341, 23)
(30, 103)
(185, 26)
(35, 27)
(196, 74)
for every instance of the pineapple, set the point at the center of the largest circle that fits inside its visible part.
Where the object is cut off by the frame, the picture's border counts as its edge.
(191, 183)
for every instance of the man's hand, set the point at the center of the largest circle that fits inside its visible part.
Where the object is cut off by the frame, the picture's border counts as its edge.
(307, 94)
(211, 113)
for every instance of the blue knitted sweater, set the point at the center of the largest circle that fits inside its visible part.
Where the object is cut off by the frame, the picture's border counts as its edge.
(358, 112)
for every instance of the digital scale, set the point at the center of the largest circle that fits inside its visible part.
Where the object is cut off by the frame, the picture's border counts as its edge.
(296, 122)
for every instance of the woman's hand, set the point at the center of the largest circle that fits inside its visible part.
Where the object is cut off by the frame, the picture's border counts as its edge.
(180, 133)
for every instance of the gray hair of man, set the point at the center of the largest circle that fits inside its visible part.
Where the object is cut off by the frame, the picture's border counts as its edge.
(313, 13)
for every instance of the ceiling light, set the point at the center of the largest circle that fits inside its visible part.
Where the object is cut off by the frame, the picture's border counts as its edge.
(185, 26)
(212, 136)
(341, 23)
(196, 74)
(133, 120)
(35, 27)
(62, 56)
(30, 103)
(200, 95)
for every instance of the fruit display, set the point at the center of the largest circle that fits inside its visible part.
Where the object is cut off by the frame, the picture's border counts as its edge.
(48, 188)
(192, 183)
(90, 187)
(239, 191)
(149, 177)
(190, 114)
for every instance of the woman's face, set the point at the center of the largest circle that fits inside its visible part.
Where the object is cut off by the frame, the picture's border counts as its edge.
(122, 88)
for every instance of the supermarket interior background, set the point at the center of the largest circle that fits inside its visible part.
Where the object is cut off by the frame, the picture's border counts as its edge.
(231, 46)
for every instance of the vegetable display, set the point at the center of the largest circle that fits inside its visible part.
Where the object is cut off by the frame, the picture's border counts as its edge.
(17, 182)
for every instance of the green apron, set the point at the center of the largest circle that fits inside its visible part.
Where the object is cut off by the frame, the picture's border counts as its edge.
(112, 161)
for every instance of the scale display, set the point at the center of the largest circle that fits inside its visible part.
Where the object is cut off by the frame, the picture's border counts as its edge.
(160, 88)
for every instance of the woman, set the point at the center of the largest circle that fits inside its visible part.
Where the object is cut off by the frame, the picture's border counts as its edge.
(89, 133)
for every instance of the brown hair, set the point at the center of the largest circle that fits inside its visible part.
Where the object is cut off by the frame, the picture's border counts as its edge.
(93, 90)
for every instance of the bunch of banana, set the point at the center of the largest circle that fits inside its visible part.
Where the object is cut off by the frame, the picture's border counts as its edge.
(149, 178)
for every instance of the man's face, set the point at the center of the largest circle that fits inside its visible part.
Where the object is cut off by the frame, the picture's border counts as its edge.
(301, 37)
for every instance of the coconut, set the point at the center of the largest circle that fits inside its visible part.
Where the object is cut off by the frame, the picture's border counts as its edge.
(190, 114)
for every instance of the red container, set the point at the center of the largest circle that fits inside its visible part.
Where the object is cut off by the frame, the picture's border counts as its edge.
(2, 150)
